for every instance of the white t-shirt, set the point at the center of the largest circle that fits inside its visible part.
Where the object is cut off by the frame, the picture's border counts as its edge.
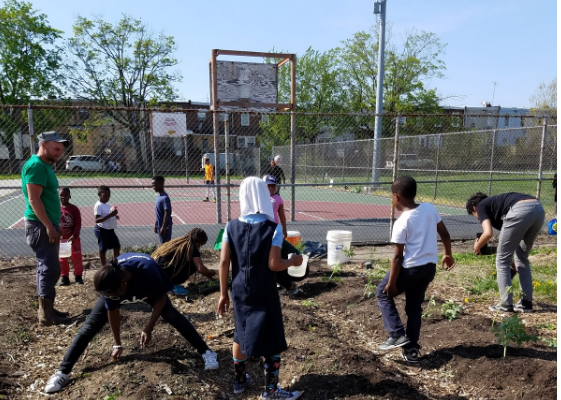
(103, 209)
(417, 230)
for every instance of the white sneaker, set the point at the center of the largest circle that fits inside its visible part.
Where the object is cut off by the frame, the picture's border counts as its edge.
(211, 361)
(56, 382)
(281, 394)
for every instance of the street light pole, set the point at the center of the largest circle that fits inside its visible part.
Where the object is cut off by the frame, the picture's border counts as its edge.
(379, 8)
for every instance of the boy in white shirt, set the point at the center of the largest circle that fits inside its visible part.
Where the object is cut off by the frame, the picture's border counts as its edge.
(105, 224)
(413, 267)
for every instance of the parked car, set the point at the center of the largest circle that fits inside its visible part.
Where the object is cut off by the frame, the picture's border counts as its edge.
(412, 161)
(85, 163)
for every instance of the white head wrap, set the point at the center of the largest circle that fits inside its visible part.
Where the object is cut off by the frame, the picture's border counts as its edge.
(255, 198)
(277, 159)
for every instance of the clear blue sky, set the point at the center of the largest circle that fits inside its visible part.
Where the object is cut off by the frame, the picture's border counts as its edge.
(513, 43)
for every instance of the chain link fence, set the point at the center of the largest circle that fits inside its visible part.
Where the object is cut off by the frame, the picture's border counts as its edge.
(336, 176)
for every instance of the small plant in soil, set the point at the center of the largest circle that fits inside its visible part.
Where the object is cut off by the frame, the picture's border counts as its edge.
(349, 252)
(370, 287)
(451, 310)
(336, 270)
(20, 335)
(310, 303)
(512, 330)
(551, 342)
(428, 311)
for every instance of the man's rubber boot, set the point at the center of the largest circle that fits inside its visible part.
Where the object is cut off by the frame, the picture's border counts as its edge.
(46, 313)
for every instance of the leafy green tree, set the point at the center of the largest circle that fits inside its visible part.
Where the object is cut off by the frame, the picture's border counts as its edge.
(544, 102)
(122, 64)
(30, 66)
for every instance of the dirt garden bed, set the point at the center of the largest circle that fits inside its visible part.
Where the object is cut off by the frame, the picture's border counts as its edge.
(333, 330)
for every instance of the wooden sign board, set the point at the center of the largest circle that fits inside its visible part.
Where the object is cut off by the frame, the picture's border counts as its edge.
(243, 82)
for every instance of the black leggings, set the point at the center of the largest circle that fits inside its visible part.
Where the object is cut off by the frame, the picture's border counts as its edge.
(98, 318)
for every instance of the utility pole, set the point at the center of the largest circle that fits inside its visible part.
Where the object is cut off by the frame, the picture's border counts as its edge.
(494, 86)
(379, 8)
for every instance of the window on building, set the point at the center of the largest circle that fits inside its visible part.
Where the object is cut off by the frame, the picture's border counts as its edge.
(245, 120)
(205, 145)
(201, 116)
(507, 120)
(265, 118)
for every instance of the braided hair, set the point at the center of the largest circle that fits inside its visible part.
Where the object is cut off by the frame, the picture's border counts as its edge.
(179, 252)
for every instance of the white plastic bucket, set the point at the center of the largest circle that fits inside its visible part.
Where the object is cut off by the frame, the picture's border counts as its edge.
(293, 237)
(337, 241)
(65, 250)
(300, 270)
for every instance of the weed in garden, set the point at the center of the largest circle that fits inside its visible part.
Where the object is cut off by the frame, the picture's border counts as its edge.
(484, 284)
(451, 310)
(20, 335)
(356, 189)
(310, 303)
(551, 342)
(512, 330)
(546, 325)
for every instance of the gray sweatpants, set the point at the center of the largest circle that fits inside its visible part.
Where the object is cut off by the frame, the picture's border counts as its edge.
(48, 264)
(521, 226)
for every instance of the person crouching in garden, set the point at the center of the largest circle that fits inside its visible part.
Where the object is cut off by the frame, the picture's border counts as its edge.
(132, 277)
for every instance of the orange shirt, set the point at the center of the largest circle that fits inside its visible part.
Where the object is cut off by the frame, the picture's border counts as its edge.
(209, 171)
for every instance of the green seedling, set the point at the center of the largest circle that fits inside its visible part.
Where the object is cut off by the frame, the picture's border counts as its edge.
(336, 270)
(370, 287)
(512, 330)
(451, 310)
(349, 252)
(310, 303)
(428, 312)
(551, 342)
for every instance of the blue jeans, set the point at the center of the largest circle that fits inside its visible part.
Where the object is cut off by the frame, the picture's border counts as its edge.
(98, 318)
(48, 264)
(413, 282)
(521, 226)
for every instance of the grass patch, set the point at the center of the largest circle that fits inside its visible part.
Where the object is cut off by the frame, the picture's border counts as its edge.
(309, 303)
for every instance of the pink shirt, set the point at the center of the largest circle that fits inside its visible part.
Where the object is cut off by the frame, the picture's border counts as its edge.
(276, 202)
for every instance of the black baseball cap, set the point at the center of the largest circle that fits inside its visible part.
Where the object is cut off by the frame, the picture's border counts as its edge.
(51, 136)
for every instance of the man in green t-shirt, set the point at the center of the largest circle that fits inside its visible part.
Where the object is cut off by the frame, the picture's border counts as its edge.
(42, 217)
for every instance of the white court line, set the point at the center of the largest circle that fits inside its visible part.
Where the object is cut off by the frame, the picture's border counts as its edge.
(138, 181)
(15, 223)
(5, 201)
(303, 213)
(177, 216)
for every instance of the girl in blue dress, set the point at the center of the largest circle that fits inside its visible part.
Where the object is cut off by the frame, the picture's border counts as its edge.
(252, 244)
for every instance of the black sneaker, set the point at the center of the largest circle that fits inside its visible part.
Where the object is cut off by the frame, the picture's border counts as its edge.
(502, 308)
(64, 281)
(239, 387)
(411, 356)
(78, 279)
(524, 306)
(394, 342)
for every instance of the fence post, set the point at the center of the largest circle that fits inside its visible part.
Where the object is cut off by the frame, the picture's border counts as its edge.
(31, 129)
(227, 161)
(292, 164)
(395, 169)
(439, 142)
(186, 159)
(151, 141)
(492, 165)
(344, 158)
(540, 166)
(215, 128)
